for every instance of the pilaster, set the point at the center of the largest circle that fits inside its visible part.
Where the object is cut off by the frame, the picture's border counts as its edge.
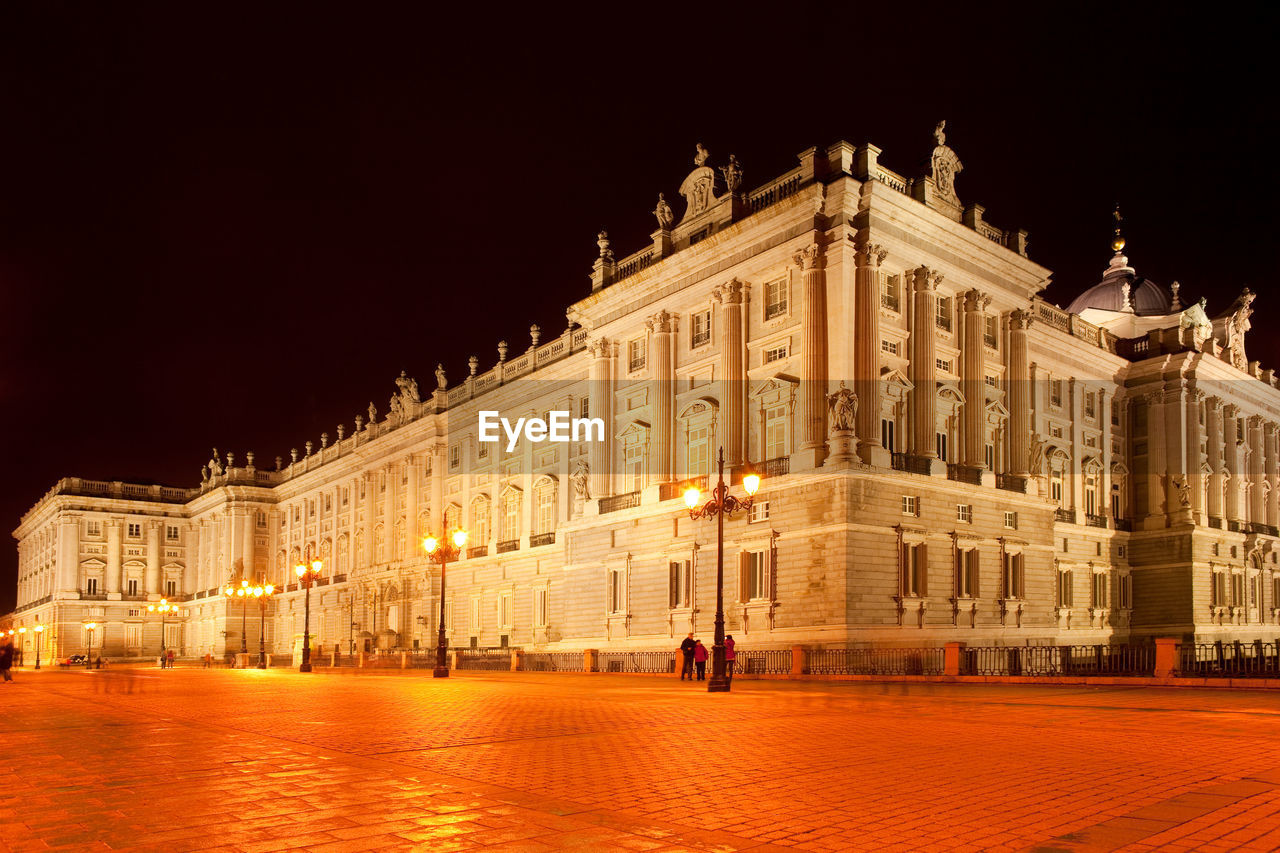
(813, 365)
(733, 403)
(1020, 403)
(866, 355)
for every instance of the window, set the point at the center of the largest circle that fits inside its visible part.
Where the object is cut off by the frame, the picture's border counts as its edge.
(479, 520)
(617, 590)
(584, 407)
(1055, 393)
(967, 573)
(482, 452)
(1066, 580)
(1237, 590)
(991, 331)
(93, 528)
(753, 584)
(171, 588)
(1090, 405)
(775, 432)
(633, 468)
(1056, 492)
(1124, 589)
(477, 617)
(1101, 592)
(135, 530)
(382, 487)
(680, 586)
(510, 515)
(540, 607)
(914, 570)
(941, 441)
(759, 512)
(452, 521)
(1011, 520)
(989, 456)
(697, 451)
(942, 364)
(775, 299)
(261, 521)
(889, 292)
(328, 502)
(455, 458)
(890, 347)
(775, 354)
(1091, 494)
(964, 513)
(1216, 549)
(636, 352)
(942, 315)
(133, 586)
(699, 329)
(910, 505)
(1012, 576)
(504, 609)
(545, 515)
(886, 435)
(346, 495)
(91, 586)
(171, 530)
(992, 381)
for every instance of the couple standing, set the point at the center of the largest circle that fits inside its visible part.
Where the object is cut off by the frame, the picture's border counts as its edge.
(696, 654)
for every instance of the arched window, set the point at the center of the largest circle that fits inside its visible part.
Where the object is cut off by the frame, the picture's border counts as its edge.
(344, 556)
(511, 498)
(452, 518)
(544, 506)
(480, 513)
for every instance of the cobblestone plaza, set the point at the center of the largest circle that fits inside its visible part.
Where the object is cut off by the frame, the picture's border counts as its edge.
(259, 761)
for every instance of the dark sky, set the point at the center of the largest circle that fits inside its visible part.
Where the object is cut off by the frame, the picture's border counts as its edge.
(234, 225)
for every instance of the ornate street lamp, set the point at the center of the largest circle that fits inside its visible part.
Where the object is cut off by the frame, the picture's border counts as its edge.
(241, 592)
(720, 505)
(263, 595)
(39, 629)
(444, 552)
(307, 574)
(90, 627)
(164, 608)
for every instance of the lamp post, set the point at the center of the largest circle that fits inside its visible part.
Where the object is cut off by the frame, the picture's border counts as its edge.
(721, 504)
(90, 627)
(164, 608)
(444, 551)
(307, 574)
(39, 629)
(263, 595)
(241, 592)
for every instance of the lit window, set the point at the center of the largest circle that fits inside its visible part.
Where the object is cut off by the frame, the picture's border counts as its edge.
(964, 513)
(775, 354)
(545, 516)
(633, 468)
(700, 329)
(910, 505)
(510, 515)
(942, 316)
(697, 452)
(991, 331)
(889, 292)
(890, 347)
(775, 432)
(775, 299)
(680, 584)
(636, 353)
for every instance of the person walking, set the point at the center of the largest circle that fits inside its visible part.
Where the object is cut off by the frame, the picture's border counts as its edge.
(700, 660)
(686, 649)
(171, 658)
(728, 658)
(6, 659)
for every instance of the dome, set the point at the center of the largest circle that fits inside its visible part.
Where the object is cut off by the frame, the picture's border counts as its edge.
(1145, 296)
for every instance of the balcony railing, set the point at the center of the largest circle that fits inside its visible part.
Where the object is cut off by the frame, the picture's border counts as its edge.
(1067, 515)
(1233, 526)
(539, 539)
(1215, 523)
(1264, 529)
(1011, 483)
(775, 467)
(340, 578)
(617, 502)
(670, 491)
(94, 596)
(1123, 524)
(1095, 520)
(477, 551)
(911, 464)
(964, 474)
(508, 545)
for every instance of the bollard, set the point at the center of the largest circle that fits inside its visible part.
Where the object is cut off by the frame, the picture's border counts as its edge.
(517, 660)
(360, 662)
(952, 655)
(404, 660)
(590, 660)
(1166, 657)
(797, 661)
(455, 657)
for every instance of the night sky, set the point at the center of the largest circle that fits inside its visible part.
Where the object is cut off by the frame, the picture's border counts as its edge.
(235, 225)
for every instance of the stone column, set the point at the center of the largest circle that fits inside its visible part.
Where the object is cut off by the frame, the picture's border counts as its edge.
(924, 396)
(601, 381)
(248, 541)
(866, 353)
(1173, 449)
(1270, 473)
(68, 555)
(973, 380)
(439, 461)
(1075, 405)
(390, 510)
(370, 514)
(111, 579)
(1257, 500)
(733, 369)
(1104, 420)
(662, 382)
(1217, 462)
(412, 536)
(1158, 491)
(151, 583)
(813, 363)
(1019, 383)
(1235, 472)
(1195, 478)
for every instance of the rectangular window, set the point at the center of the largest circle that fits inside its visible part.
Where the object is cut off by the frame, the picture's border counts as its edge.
(135, 530)
(942, 364)
(1237, 590)
(775, 432)
(890, 347)
(1011, 520)
(942, 316)
(93, 528)
(584, 407)
(1125, 594)
(171, 530)
(455, 458)
(633, 467)
(546, 517)
(775, 299)
(328, 501)
(989, 456)
(382, 487)
(637, 351)
(910, 505)
(753, 584)
(775, 354)
(887, 436)
(170, 588)
(967, 573)
(991, 331)
(914, 565)
(1066, 581)
(1101, 592)
(698, 452)
(346, 495)
(617, 590)
(1012, 580)
(504, 609)
(1090, 405)
(889, 292)
(133, 635)
(91, 586)
(1055, 393)
(477, 617)
(759, 512)
(482, 452)
(964, 513)
(941, 441)
(133, 586)
(680, 584)
(540, 607)
(699, 329)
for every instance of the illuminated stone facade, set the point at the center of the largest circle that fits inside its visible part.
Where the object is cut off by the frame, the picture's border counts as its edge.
(1008, 472)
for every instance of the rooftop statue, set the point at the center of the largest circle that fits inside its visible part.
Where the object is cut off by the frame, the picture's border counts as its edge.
(666, 217)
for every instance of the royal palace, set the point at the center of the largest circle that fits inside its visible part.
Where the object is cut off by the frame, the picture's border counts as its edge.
(945, 456)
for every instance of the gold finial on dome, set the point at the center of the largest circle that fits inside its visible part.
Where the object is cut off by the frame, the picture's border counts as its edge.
(1117, 242)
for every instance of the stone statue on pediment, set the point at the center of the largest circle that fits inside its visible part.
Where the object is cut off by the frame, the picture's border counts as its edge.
(408, 389)
(944, 165)
(215, 467)
(441, 383)
(666, 217)
(701, 156)
(733, 174)
(698, 188)
(844, 408)
(1237, 324)
(373, 414)
(397, 408)
(581, 481)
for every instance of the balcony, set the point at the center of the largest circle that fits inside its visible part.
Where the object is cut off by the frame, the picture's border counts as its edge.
(506, 546)
(94, 596)
(1095, 520)
(911, 464)
(1065, 515)
(1233, 526)
(775, 467)
(477, 551)
(671, 491)
(340, 578)
(964, 474)
(1123, 524)
(1011, 483)
(617, 502)
(1262, 529)
(1215, 523)
(539, 539)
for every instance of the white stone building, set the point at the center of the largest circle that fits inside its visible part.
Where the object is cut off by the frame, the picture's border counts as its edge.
(1015, 473)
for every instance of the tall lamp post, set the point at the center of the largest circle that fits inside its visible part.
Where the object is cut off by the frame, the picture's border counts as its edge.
(241, 592)
(39, 629)
(444, 552)
(164, 608)
(307, 574)
(720, 505)
(263, 595)
(90, 627)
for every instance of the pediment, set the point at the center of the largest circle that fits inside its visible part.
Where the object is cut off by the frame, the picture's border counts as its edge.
(701, 407)
(633, 429)
(780, 384)
(894, 376)
(950, 391)
(94, 565)
(996, 409)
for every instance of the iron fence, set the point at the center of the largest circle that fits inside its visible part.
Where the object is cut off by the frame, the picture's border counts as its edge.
(1229, 660)
(552, 662)
(421, 659)
(493, 660)
(1120, 660)
(762, 661)
(874, 662)
(277, 660)
(637, 662)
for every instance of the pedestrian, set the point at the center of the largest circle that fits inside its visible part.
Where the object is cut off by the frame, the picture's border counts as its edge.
(207, 660)
(728, 658)
(6, 659)
(686, 649)
(171, 657)
(700, 658)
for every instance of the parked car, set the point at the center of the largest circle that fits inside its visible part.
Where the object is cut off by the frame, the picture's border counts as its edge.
(73, 660)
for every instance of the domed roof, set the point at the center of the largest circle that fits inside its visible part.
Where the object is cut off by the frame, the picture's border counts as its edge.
(1145, 296)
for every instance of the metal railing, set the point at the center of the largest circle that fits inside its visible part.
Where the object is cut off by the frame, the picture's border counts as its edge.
(763, 661)
(1123, 524)
(508, 545)
(617, 502)
(775, 467)
(1011, 483)
(637, 662)
(493, 660)
(964, 474)
(676, 489)
(1092, 520)
(1128, 660)
(874, 662)
(909, 463)
(1229, 660)
(539, 539)
(1215, 523)
(552, 662)
(1067, 515)
(477, 551)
